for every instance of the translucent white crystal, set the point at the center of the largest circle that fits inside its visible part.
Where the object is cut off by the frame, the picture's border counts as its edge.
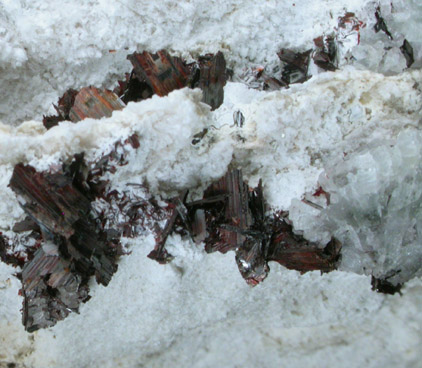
(376, 208)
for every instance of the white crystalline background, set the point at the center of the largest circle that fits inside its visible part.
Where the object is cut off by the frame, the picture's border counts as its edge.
(355, 132)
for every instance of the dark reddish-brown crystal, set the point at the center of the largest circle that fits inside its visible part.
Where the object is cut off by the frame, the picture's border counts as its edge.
(73, 245)
(296, 65)
(63, 214)
(294, 252)
(212, 79)
(325, 55)
(162, 72)
(91, 102)
(51, 289)
(232, 216)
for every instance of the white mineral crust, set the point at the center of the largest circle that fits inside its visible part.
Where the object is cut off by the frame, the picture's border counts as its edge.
(354, 132)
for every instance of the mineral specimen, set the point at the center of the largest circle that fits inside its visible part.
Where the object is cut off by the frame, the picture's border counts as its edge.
(380, 24)
(325, 55)
(72, 246)
(212, 79)
(162, 72)
(231, 216)
(376, 208)
(51, 289)
(296, 65)
(89, 102)
(407, 51)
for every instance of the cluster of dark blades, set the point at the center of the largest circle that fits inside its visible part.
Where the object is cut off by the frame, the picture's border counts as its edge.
(295, 63)
(69, 244)
(406, 48)
(232, 216)
(157, 73)
(72, 231)
(74, 221)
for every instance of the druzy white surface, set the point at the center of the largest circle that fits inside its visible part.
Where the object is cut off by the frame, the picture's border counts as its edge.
(355, 132)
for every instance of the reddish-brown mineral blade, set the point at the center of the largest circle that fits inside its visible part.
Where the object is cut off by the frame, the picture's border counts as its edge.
(51, 291)
(66, 102)
(62, 212)
(50, 199)
(295, 253)
(159, 253)
(212, 79)
(296, 68)
(326, 54)
(162, 72)
(63, 107)
(236, 213)
(94, 103)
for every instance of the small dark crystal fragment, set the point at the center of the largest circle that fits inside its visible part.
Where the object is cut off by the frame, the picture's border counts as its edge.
(177, 209)
(251, 256)
(212, 79)
(65, 103)
(384, 286)
(325, 55)
(272, 84)
(4, 256)
(380, 25)
(28, 224)
(162, 72)
(51, 121)
(198, 136)
(251, 261)
(296, 68)
(63, 107)
(133, 90)
(407, 51)
(238, 119)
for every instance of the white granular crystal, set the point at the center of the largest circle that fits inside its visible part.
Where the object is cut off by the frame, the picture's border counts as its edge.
(355, 132)
(376, 208)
